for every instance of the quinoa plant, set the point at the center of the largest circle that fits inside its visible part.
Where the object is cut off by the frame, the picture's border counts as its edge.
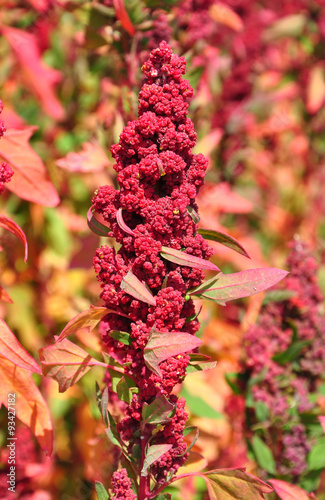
(149, 281)
(284, 375)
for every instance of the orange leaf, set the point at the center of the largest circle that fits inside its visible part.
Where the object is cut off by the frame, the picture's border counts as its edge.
(232, 484)
(92, 158)
(9, 224)
(39, 77)
(30, 406)
(30, 181)
(315, 90)
(87, 320)
(66, 363)
(288, 491)
(13, 351)
(225, 15)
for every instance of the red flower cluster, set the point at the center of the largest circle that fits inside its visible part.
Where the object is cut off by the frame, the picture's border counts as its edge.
(159, 179)
(121, 486)
(6, 171)
(288, 382)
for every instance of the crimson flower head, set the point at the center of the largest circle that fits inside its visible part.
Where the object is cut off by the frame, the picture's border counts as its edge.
(159, 178)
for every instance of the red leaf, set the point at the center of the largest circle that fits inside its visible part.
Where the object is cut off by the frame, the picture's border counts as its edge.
(30, 181)
(39, 77)
(234, 484)
(133, 286)
(185, 259)
(87, 320)
(226, 287)
(30, 406)
(123, 16)
(92, 158)
(12, 350)
(162, 346)
(288, 491)
(121, 223)
(66, 363)
(224, 239)
(225, 15)
(5, 296)
(9, 224)
(95, 225)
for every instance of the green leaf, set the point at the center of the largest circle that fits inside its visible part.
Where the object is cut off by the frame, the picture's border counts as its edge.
(234, 484)
(190, 446)
(200, 367)
(224, 239)
(278, 296)
(123, 337)
(232, 379)
(293, 351)
(101, 491)
(111, 431)
(123, 391)
(103, 405)
(199, 407)
(193, 214)
(153, 454)
(164, 496)
(261, 411)
(263, 455)
(316, 456)
(157, 412)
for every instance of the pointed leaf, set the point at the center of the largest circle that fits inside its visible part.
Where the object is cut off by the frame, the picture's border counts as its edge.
(193, 214)
(92, 158)
(200, 367)
(13, 351)
(162, 346)
(30, 180)
(101, 491)
(87, 321)
(263, 455)
(124, 390)
(226, 287)
(5, 296)
(121, 223)
(153, 454)
(190, 446)
(234, 484)
(293, 351)
(9, 224)
(133, 286)
(39, 77)
(223, 14)
(95, 225)
(224, 239)
(288, 491)
(30, 406)
(157, 412)
(123, 16)
(123, 337)
(66, 363)
(185, 259)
